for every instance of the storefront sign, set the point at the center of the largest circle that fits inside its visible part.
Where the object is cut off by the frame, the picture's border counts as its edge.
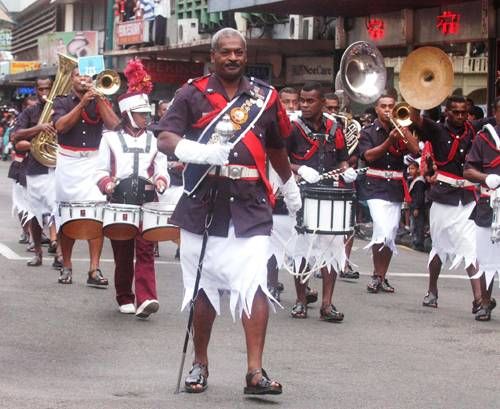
(303, 69)
(172, 72)
(448, 22)
(75, 44)
(22, 66)
(375, 28)
(130, 32)
(260, 71)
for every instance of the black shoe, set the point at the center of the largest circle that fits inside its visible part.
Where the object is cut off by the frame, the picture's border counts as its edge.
(483, 314)
(374, 284)
(477, 306)
(96, 279)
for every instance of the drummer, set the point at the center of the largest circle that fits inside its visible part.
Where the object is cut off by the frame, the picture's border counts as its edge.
(316, 145)
(483, 165)
(130, 151)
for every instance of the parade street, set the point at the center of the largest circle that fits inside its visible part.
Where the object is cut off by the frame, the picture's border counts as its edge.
(67, 346)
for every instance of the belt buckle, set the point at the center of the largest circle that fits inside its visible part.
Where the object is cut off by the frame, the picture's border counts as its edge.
(84, 154)
(235, 172)
(388, 175)
(460, 183)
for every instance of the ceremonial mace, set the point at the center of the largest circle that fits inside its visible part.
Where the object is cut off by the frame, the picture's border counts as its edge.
(223, 133)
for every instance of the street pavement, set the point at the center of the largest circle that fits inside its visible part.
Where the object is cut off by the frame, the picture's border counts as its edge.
(66, 347)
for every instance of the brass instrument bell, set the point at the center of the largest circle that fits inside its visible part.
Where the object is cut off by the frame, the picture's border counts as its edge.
(107, 82)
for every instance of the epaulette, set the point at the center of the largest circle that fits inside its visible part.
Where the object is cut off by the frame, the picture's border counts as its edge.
(259, 82)
(191, 80)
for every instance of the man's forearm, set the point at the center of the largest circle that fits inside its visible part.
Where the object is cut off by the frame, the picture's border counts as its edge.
(109, 118)
(68, 121)
(26, 134)
(167, 142)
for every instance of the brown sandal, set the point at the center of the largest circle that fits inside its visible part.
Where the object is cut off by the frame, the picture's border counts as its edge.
(264, 385)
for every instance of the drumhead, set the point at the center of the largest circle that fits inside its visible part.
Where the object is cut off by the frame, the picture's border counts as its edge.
(327, 192)
(123, 207)
(158, 207)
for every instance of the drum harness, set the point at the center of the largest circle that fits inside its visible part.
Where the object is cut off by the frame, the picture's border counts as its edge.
(135, 151)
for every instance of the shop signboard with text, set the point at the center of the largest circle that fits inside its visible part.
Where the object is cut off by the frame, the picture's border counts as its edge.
(304, 69)
(132, 32)
(172, 72)
(22, 66)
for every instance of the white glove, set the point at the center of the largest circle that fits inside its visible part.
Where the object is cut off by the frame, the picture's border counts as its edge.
(492, 181)
(291, 195)
(210, 154)
(349, 175)
(310, 175)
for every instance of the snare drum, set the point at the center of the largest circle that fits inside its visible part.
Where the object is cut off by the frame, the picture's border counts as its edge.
(81, 220)
(121, 221)
(155, 222)
(328, 210)
(495, 225)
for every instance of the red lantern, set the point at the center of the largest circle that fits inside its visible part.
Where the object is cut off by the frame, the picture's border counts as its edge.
(375, 28)
(448, 22)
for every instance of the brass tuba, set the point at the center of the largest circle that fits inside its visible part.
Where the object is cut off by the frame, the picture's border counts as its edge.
(426, 77)
(44, 145)
(362, 79)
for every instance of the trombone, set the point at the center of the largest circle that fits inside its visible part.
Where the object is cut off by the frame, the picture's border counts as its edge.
(400, 117)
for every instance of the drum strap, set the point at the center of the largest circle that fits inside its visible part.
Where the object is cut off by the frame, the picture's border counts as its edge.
(135, 151)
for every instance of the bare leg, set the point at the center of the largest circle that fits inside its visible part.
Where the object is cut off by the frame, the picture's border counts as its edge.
(434, 270)
(479, 291)
(203, 320)
(300, 288)
(36, 232)
(272, 272)
(66, 249)
(95, 249)
(328, 287)
(255, 334)
(381, 259)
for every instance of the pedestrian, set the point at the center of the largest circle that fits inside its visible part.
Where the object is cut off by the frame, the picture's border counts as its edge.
(236, 232)
(417, 187)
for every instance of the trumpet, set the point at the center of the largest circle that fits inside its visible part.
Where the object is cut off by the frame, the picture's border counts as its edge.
(400, 117)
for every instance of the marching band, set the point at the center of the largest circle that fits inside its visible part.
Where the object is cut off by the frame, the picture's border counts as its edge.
(249, 182)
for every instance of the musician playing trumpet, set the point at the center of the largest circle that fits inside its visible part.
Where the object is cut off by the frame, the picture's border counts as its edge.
(384, 187)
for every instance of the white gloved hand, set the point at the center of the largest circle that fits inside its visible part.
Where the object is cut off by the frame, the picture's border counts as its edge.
(210, 154)
(291, 195)
(310, 175)
(492, 181)
(349, 175)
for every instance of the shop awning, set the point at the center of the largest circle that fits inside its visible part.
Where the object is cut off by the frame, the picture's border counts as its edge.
(347, 8)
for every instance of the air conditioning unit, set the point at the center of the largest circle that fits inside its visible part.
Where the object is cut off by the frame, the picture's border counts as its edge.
(187, 30)
(309, 28)
(294, 27)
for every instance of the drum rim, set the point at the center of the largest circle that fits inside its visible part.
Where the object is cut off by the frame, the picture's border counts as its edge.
(83, 203)
(122, 206)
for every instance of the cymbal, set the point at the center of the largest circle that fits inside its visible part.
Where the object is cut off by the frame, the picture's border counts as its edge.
(426, 77)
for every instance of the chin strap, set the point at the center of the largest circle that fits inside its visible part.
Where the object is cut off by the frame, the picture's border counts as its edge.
(131, 119)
